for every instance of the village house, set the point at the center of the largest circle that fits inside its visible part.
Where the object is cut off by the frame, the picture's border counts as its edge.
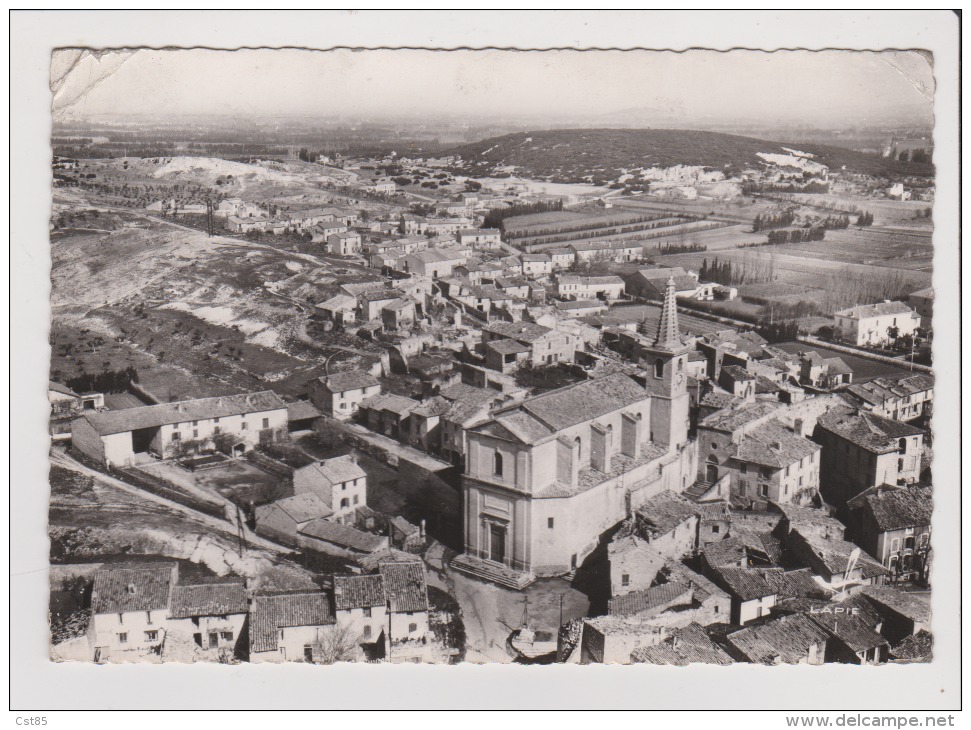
(387, 414)
(340, 395)
(536, 264)
(449, 227)
(688, 645)
(589, 287)
(738, 381)
(756, 591)
(245, 225)
(236, 423)
(593, 252)
(129, 609)
(547, 346)
(902, 614)
(561, 258)
(875, 325)
(290, 628)
(485, 239)
(863, 450)
(66, 405)
(211, 615)
(893, 524)
(765, 459)
(838, 562)
(361, 607)
(668, 523)
(398, 314)
(793, 639)
(823, 373)
(407, 605)
(282, 520)
(651, 283)
(321, 232)
(906, 397)
(340, 482)
(545, 478)
(434, 263)
(581, 308)
(382, 187)
(228, 207)
(344, 244)
(614, 639)
(326, 535)
(341, 309)
(853, 639)
(923, 303)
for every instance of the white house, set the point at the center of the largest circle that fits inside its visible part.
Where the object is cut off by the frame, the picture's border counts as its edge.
(344, 244)
(876, 324)
(131, 435)
(339, 481)
(211, 615)
(340, 395)
(289, 628)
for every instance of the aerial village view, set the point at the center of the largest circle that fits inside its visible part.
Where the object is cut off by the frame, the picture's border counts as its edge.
(413, 388)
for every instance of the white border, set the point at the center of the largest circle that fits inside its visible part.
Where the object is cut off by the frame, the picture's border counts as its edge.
(38, 685)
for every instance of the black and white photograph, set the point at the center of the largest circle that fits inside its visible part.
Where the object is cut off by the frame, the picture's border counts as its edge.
(496, 357)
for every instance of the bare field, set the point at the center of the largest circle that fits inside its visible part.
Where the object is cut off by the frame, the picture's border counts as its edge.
(716, 239)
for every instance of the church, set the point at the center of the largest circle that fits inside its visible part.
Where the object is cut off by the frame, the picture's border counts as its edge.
(547, 477)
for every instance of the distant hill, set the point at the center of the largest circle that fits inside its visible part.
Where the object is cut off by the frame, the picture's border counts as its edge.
(569, 155)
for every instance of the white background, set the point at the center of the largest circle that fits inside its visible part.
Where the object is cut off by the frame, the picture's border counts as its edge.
(38, 686)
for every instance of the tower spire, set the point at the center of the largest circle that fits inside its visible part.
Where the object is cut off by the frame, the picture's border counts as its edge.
(668, 334)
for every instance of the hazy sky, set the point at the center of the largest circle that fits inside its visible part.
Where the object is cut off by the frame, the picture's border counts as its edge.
(817, 87)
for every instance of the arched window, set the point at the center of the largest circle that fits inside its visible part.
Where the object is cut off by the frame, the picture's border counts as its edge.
(903, 444)
(680, 364)
(659, 368)
(497, 464)
(610, 435)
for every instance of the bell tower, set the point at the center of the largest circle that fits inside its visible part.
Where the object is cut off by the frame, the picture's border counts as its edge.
(666, 360)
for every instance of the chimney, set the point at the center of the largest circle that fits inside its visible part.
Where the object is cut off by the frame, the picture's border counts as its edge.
(421, 528)
(567, 461)
(797, 426)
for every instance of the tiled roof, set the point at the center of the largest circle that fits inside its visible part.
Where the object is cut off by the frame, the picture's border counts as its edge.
(867, 430)
(208, 599)
(302, 410)
(63, 389)
(719, 400)
(663, 513)
(900, 508)
(405, 586)
(584, 401)
(835, 555)
(784, 640)
(351, 380)
(523, 331)
(875, 310)
(774, 445)
(342, 535)
(909, 605)
(120, 590)
(880, 390)
(304, 507)
(916, 647)
(269, 614)
(740, 415)
(737, 372)
(398, 404)
(467, 393)
(434, 406)
(507, 347)
(358, 591)
(683, 647)
(795, 583)
(649, 599)
(850, 630)
(130, 419)
(748, 584)
(334, 471)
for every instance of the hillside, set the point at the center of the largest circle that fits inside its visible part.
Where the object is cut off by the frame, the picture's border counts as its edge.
(571, 155)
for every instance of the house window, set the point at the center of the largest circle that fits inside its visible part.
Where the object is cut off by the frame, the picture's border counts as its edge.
(123, 638)
(367, 611)
(766, 472)
(743, 468)
(366, 634)
(925, 539)
(216, 430)
(742, 487)
(412, 628)
(215, 420)
(226, 635)
(356, 499)
(195, 423)
(243, 426)
(195, 433)
(497, 464)
(344, 503)
(176, 436)
(715, 529)
(895, 545)
(787, 471)
(800, 481)
(764, 490)
(659, 368)
(151, 636)
(625, 579)
(266, 423)
(549, 522)
(903, 444)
